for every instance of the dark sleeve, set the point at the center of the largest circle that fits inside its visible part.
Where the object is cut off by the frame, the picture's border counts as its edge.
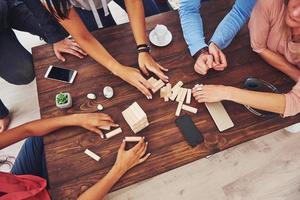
(52, 30)
(3, 15)
(3, 110)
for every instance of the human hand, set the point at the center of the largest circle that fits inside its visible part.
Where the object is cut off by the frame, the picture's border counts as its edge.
(204, 63)
(210, 93)
(132, 157)
(133, 77)
(146, 62)
(219, 58)
(67, 45)
(93, 121)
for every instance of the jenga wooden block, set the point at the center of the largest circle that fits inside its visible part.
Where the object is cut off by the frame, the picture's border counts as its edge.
(219, 115)
(169, 89)
(152, 81)
(129, 117)
(189, 109)
(107, 128)
(188, 96)
(176, 90)
(177, 85)
(179, 94)
(163, 92)
(183, 94)
(113, 133)
(133, 139)
(92, 155)
(159, 84)
(178, 110)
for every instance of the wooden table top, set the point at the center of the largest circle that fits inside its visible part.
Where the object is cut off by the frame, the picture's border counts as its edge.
(71, 171)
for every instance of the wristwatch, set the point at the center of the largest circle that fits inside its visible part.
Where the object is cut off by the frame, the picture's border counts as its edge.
(201, 51)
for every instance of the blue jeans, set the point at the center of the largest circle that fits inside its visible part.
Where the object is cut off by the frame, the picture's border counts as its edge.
(31, 159)
(87, 16)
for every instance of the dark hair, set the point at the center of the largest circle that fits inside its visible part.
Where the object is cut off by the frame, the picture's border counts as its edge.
(59, 8)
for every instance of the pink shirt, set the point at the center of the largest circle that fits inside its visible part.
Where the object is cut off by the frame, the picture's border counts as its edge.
(269, 31)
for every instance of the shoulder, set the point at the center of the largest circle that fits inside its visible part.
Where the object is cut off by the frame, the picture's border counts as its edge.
(271, 8)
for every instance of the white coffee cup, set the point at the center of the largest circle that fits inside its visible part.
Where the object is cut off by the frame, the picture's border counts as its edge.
(160, 32)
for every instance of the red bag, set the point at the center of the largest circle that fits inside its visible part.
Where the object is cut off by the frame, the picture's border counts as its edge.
(22, 187)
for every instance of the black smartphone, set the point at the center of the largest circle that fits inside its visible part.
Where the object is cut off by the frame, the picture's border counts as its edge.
(189, 131)
(60, 74)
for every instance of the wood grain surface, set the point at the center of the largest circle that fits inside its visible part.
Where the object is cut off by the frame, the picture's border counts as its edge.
(71, 171)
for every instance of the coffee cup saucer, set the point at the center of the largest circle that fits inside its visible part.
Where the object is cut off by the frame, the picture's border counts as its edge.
(167, 39)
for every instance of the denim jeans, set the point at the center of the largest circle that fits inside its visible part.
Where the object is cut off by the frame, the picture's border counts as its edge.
(87, 16)
(3, 110)
(31, 159)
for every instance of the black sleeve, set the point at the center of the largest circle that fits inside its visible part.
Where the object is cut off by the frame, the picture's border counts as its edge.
(52, 30)
(3, 15)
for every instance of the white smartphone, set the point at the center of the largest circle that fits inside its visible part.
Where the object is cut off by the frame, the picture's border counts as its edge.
(61, 74)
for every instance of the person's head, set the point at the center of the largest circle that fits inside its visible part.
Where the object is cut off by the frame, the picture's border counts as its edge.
(59, 8)
(292, 18)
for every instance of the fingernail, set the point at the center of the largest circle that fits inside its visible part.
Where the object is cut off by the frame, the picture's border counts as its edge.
(148, 154)
(146, 143)
(143, 138)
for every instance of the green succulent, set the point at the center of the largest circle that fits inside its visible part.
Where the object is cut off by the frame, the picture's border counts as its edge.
(62, 98)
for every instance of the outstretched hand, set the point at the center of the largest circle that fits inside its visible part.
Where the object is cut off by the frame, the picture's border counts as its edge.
(70, 46)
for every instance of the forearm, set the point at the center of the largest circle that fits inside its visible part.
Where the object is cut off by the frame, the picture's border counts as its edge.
(34, 128)
(281, 63)
(192, 25)
(88, 42)
(232, 23)
(101, 188)
(135, 10)
(260, 100)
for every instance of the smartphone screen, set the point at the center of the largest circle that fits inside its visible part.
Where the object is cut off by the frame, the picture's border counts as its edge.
(61, 74)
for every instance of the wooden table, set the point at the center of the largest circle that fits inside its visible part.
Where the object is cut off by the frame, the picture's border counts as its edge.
(71, 171)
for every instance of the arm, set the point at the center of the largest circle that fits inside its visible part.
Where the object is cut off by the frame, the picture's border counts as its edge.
(260, 100)
(45, 126)
(280, 63)
(233, 22)
(74, 25)
(192, 25)
(135, 10)
(125, 161)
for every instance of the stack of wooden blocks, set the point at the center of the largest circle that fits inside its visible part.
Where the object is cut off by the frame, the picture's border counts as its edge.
(135, 117)
(175, 93)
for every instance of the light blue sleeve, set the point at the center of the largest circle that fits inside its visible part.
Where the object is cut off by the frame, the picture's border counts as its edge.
(233, 22)
(192, 26)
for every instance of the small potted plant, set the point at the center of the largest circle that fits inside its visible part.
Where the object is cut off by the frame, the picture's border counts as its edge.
(63, 100)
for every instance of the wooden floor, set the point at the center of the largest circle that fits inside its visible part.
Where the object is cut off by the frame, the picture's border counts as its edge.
(267, 168)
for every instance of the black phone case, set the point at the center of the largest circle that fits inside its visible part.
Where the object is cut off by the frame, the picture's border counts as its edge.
(189, 131)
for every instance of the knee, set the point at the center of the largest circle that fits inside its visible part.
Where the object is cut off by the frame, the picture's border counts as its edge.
(23, 74)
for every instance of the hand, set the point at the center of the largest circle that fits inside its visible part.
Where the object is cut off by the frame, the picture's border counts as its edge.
(210, 93)
(67, 45)
(146, 62)
(92, 122)
(220, 62)
(129, 159)
(204, 63)
(133, 77)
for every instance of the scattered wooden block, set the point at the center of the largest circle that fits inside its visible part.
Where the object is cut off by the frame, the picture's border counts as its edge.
(182, 94)
(159, 84)
(133, 139)
(219, 115)
(189, 108)
(178, 110)
(175, 90)
(107, 128)
(179, 94)
(152, 81)
(113, 133)
(188, 96)
(169, 90)
(92, 155)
